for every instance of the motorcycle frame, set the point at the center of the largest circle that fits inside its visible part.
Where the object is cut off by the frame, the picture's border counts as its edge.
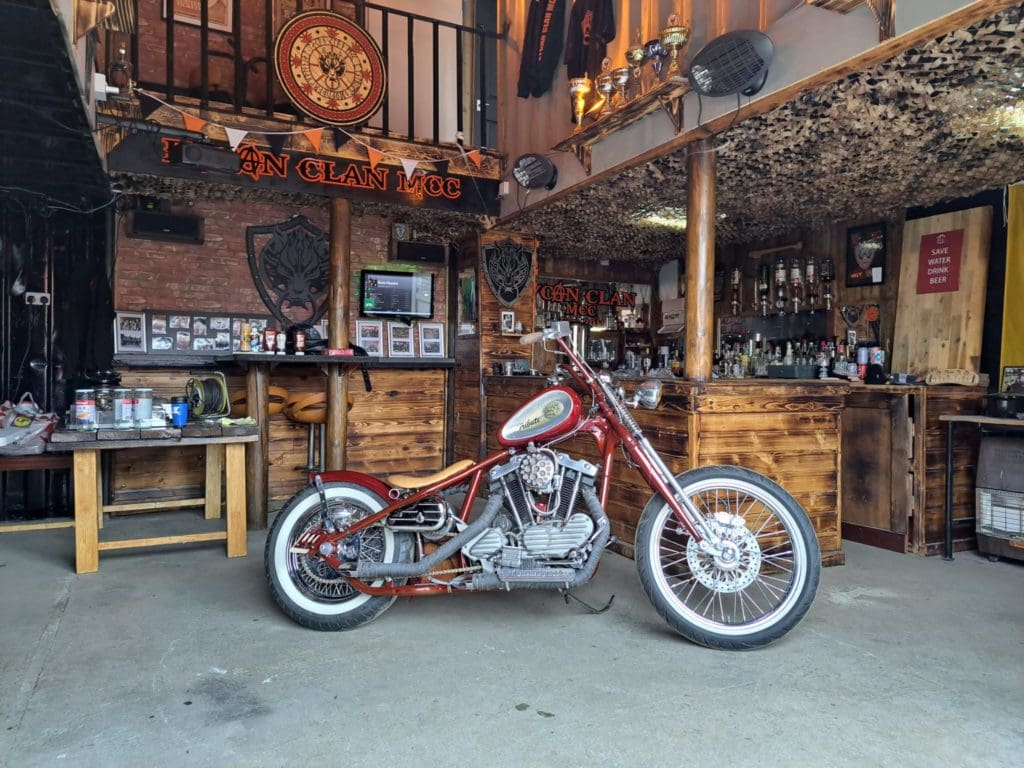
(601, 422)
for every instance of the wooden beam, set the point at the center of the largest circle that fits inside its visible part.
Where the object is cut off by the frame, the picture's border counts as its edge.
(700, 260)
(337, 330)
(258, 453)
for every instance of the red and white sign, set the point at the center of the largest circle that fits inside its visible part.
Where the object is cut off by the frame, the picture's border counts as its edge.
(938, 268)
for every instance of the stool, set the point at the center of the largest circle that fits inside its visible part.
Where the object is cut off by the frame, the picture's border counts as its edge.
(277, 398)
(311, 409)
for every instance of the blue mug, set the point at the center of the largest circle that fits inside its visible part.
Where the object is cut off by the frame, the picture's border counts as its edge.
(179, 411)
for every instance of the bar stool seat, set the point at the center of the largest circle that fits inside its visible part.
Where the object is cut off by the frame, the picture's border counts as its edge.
(310, 408)
(277, 398)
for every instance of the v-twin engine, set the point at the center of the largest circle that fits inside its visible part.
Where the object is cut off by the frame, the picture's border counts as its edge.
(538, 525)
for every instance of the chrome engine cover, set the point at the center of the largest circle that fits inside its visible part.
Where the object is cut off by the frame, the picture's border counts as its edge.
(552, 540)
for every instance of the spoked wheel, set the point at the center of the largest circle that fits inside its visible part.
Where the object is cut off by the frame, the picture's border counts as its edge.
(308, 590)
(761, 583)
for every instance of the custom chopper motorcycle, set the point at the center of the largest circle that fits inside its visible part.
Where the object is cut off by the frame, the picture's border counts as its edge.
(728, 558)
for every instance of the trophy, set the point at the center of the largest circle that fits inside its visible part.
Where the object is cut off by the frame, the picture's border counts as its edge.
(579, 87)
(605, 83)
(621, 78)
(673, 38)
(635, 56)
(655, 52)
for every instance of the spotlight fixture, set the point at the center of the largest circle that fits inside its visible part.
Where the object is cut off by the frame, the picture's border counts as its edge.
(535, 172)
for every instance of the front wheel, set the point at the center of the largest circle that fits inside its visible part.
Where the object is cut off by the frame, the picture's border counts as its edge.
(306, 588)
(757, 588)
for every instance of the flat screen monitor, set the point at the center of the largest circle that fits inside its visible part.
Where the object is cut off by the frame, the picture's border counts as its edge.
(396, 294)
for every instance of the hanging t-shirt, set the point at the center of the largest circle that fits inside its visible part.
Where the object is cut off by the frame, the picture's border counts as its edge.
(591, 28)
(542, 46)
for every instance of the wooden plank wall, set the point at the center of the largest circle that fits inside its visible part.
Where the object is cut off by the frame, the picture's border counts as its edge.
(939, 331)
(466, 430)
(927, 531)
(789, 432)
(493, 346)
(398, 427)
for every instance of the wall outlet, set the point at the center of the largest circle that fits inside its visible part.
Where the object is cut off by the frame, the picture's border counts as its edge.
(37, 299)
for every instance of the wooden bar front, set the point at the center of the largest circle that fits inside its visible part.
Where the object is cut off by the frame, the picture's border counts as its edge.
(789, 431)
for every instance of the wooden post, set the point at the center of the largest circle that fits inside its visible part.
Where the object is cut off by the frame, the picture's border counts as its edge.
(337, 331)
(258, 453)
(700, 259)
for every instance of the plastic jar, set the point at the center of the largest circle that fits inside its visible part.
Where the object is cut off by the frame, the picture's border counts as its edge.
(85, 410)
(123, 409)
(179, 410)
(143, 406)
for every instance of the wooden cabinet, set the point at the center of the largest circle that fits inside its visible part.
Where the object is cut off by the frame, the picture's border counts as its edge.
(894, 467)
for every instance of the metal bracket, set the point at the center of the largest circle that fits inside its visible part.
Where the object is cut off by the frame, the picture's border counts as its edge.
(582, 152)
(673, 106)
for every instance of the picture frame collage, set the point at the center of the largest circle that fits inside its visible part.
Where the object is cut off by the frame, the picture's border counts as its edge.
(174, 332)
(400, 339)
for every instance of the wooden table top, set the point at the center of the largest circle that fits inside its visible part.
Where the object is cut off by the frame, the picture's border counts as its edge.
(977, 418)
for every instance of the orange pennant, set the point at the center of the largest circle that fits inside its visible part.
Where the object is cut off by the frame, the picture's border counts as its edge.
(475, 157)
(193, 123)
(375, 157)
(314, 137)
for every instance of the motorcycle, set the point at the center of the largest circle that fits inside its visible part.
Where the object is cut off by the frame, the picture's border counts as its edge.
(727, 557)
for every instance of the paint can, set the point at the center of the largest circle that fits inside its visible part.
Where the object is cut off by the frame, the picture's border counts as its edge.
(85, 410)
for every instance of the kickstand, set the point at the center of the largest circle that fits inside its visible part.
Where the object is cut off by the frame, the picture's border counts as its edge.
(588, 606)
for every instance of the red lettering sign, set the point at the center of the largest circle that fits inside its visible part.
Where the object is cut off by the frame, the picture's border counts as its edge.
(938, 266)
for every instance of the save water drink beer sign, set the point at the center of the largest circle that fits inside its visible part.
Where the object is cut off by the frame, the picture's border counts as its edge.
(938, 269)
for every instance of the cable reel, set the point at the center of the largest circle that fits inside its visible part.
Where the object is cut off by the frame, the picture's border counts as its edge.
(208, 397)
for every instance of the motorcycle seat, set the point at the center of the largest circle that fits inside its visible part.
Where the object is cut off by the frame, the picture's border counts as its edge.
(415, 482)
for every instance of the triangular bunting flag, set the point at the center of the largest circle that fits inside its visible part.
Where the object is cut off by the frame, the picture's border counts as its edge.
(340, 138)
(409, 166)
(276, 142)
(147, 104)
(193, 123)
(474, 157)
(235, 136)
(313, 137)
(375, 157)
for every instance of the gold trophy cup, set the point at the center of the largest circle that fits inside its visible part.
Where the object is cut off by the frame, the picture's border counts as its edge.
(635, 55)
(606, 87)
(579, 87)
(673, 38)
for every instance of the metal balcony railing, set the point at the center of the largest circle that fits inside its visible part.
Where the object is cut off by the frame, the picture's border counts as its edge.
(441, 74)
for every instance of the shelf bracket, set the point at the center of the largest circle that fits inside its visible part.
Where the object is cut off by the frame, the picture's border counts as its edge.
(582, 152)
(672, 103)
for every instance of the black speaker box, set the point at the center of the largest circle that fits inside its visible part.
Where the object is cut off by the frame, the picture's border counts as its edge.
(425, 253)
(158, 225)
(203, 157)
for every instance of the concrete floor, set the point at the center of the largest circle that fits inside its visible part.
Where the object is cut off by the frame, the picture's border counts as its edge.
(178, 657)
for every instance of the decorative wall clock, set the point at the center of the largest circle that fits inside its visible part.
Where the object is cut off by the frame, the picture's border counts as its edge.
(330, 68)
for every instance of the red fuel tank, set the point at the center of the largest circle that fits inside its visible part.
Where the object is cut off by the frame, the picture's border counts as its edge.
(553, 412)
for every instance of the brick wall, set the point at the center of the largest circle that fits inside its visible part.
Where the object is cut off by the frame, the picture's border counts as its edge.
(214, 277)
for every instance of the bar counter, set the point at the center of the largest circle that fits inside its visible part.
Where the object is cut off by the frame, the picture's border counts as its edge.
(787, 429)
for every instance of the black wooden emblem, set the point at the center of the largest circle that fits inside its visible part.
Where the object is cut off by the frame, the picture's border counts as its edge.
(290, 265)
(508, 267)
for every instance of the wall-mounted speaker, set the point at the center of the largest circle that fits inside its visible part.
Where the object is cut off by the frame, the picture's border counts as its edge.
(159, 225)
(206, 158)
(428, 253)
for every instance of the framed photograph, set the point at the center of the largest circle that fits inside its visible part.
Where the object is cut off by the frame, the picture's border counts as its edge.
(191, 12)
(130, 332)
(368, 336)
(1013, 379)
(399, 340)
(865, 255)
(467, 316)
(508, 321)
(431, 339)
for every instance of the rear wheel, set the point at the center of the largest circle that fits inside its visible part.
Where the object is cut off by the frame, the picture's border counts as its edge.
(758, 587)
(306, 588)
